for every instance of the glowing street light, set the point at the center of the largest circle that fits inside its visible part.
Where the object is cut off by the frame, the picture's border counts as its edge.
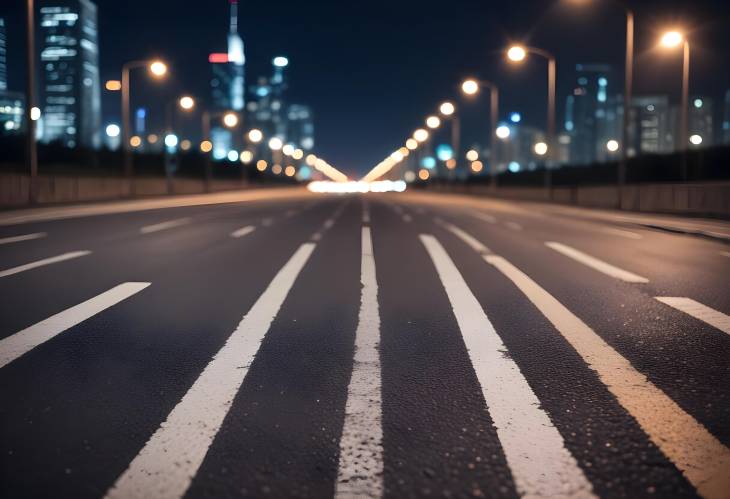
(477, 166)
(230, 120)
(470, 87)
(112, 130)
(246, 157)
(288, 149)
(255, 135)
(695, 140)
(503, 132)
(261, 165)
(158, 69)
(397, 156)
(671, 40)
(412, 144)
(275, 144)
(423, 174)
(206, 146)
(472, 155)
(135, 141)
(420, 135)
(612, 145)
(187, 103)
(447, 109)
(297, 154)
(433, 122)
(113, 85)
(541, 148)
(171, 140)
(516, 53)
(35, 113)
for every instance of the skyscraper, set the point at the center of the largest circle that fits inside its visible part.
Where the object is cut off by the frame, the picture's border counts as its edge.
(652, 124)
(300, 129)
(3, 56)
(70, 87)
(590, 120)
(228, 82)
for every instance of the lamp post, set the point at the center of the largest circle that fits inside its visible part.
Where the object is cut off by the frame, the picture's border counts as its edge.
(471, 87)
(448, 110)
(158, 70)
(31, 154)
(670, 40)
(187, 104)
(517, 54)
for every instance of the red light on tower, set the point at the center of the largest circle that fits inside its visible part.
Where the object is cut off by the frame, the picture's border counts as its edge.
(218, 58)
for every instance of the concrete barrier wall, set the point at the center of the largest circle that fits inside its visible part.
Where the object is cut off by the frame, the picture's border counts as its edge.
(701, 199)
(15, 188)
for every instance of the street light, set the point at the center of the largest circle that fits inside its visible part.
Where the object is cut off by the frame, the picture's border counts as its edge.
(541, 148)
(420, 135)
(158, 70)
(471, 87)
(612, 145)
(447, 109)
(255, 136)
(230, 120)
(433, 122)
(412, 144)
(503, 132)
(671, 40)
(187, 103)
(472, 155)
(275, 144)
(695, 140)
(517, 54)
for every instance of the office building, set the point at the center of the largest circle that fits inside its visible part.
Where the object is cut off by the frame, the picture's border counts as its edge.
(300, 127)
(69, 78)
(3, 56)
(701, 120)
(652, 125)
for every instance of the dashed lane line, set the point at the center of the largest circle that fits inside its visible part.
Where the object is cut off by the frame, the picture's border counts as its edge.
(170, 224)
(360, 470)
(24, 237)
(170, 459)
(713, 317)
(535, 451)
(621, 233)
(596, 264)
(26, 340)
(46, 261)
(243, 231)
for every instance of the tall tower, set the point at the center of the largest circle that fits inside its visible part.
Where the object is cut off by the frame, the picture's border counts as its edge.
(3, 57)
(70, 86)
(236, 61)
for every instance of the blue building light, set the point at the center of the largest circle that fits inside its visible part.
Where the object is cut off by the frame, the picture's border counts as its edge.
(515, 117)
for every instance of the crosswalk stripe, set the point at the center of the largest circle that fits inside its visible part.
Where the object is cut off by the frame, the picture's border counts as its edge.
(621, 233)
(703, 459)
(535, 451)
(46, 261)
(713, 317)
(26, 340)
(596, 264)
(24, 237)
(360, 470)
(243, 231)
(170, 224)
(170, 459)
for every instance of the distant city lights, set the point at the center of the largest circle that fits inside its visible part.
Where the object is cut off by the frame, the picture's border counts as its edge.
(477, 166)
(255, 136)
(541, 148)
(612, 145)
(360, 187)
(515, 117)
(232, 156)
(112, 130)
(275, 144)
(206, 146)
(472, 155)
(695, 139)
(35, 113)
(503, 132)
(171, 140)
(433, 122)
(281, 62)
(447, 109)
(113, 85)
(470, 87)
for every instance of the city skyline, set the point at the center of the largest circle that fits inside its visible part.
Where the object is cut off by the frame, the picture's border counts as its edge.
(317, 60)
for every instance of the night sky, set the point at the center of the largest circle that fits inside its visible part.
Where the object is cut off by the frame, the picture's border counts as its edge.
(373, 70)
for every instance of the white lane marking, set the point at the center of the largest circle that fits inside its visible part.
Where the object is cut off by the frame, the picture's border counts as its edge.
(243, 231)
(360, 470)
(24, 237)
(483, 216)
(328, 224)
(407, 218)
(475, 244)
(596, 264)
(513, 225)
(421, 211)
(267, 222)
(365, 214)
(46, 261)
(398, 209)
(621, 233)
(26, 340)
(533, 446)
(702, 458)
(170, 459)
(149, 229)
(713, 317)
(290, 213)
(725, 253)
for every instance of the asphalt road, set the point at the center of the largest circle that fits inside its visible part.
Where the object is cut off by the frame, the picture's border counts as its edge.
(392, 346)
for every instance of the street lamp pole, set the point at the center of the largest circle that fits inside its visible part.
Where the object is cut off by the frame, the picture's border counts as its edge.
(31, 156)
(628, 97)
(206, 137)
(684, 130)
(470, 87)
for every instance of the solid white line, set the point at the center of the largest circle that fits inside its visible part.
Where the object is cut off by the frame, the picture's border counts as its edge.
(596, 264)
(702, 458)
(621, 233)
(328, 224)
(407, 218)
(365, 213)
(25, 237)
(713, 317)
(469, 239)
(45, 261)
(483, 216)
(513, 225)
(24, 341)
(243, 231)
(170, 459)
(540, 464)
(148, 229)
(360, 470)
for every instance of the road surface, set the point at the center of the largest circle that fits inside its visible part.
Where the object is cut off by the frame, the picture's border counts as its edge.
(413, 345)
